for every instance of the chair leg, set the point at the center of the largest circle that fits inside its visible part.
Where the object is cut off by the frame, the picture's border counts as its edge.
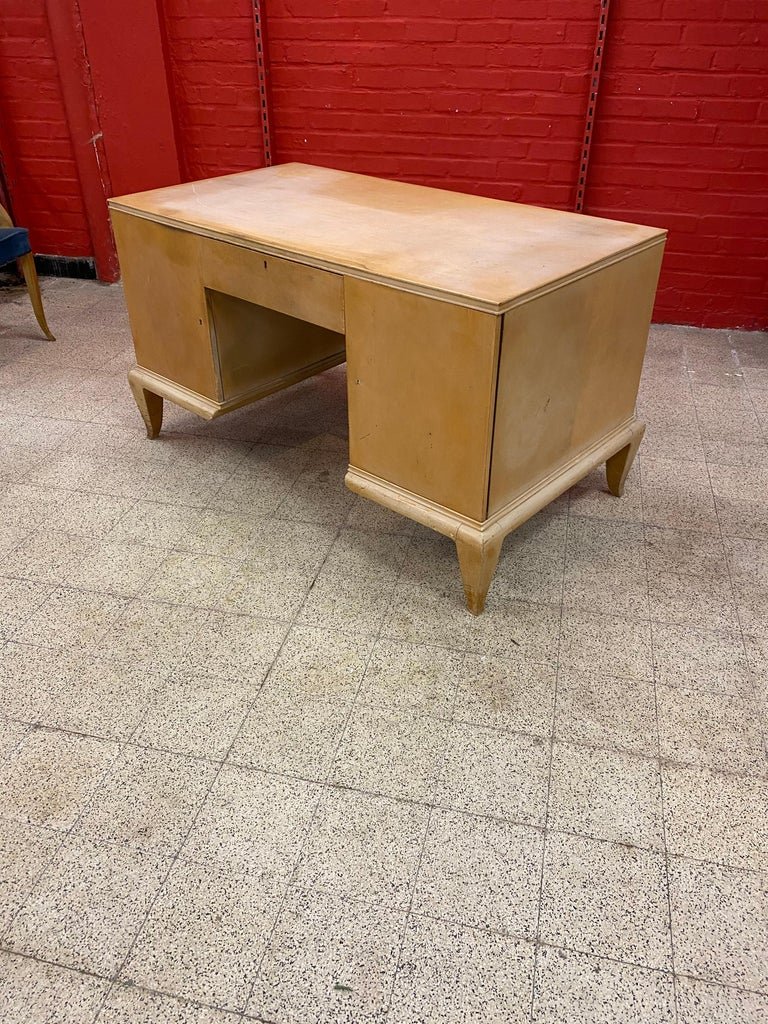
(27, 267)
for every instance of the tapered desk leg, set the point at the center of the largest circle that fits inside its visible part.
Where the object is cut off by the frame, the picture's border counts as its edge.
(150, 405)
(477, 560)
(618, 466)
(27, 266)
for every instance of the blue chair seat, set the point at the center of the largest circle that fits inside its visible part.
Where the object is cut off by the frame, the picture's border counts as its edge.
(14, 242)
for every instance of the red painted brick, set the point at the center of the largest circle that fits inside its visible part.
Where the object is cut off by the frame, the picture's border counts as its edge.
(485, 96)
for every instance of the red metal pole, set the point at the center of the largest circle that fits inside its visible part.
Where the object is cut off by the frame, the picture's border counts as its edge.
(85, 131)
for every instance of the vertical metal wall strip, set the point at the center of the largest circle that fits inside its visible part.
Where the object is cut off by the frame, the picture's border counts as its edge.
(594, 90)
(260, 31)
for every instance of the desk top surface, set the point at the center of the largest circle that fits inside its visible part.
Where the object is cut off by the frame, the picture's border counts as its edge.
(481, 252)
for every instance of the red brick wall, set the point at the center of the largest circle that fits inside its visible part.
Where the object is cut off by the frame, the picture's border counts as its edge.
(34, 139)
(214, 79)
(480, 95)
(484, 96)
(682, 141)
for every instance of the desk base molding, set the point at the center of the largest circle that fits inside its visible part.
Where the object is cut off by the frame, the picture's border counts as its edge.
(478, 545)
(150, 388)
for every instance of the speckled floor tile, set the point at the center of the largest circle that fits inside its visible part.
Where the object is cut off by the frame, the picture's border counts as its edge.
(88, 905)
(290, 735)
(153, 524)
(716, 817)
(423, 613)
(204, 935)
(395, 753)
(700, 659)
(449, 974)
(25, 850)
(37, 993)
(700, 1002)
(50, 777)
(197, 580)
(253, 823)
(740, 500)
(542, 586)
(11, 536)
(129, 1004)
(606, 711)
(606, 644)
(573, 988)
(154, 636)
(605, 899)
(250, 509)
(261, 482)
(489, 771)
(31, 677)
(679, 551)
(678, 494)
(89, 515)
(506, 694)
(279, 545)
(607, 794)
(752, 607)
(719, 731)
(604, 543)
(196, 715)
(591, 497)
(538, 545)
(330, 959)
(480, 872)
(318, 495)
(98, 696)
(757, 659)
(225, 534)
(350, 601)
(699, 601)
(719, 920)
(12, 733)
(147, 800)
(280, 569)
(606, 590)
(235, 647)
(319, 662)
(71, 618)
(412, 677)
(19, 600)
(364, 847)
(26, 506)
(47, 556)
(111, 567)
(273, 592)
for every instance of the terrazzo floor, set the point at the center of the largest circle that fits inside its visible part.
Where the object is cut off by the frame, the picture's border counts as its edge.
(259, 764)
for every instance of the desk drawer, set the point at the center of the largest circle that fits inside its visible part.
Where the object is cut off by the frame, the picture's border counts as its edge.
(305, 293)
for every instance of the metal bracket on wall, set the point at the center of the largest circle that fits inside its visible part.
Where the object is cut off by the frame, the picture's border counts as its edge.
(594, 90)
(260, 32)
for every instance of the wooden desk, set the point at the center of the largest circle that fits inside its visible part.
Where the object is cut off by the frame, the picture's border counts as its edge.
(493, 350)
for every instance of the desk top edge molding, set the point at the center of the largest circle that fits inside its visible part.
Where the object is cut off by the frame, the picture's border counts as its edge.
(468, 301)
(482, 253)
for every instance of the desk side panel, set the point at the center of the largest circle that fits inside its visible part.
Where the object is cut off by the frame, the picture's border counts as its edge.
(166, 302)
(421, 376)
(569, 371)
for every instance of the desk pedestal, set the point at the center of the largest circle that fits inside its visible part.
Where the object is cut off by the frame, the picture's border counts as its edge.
(464, 420)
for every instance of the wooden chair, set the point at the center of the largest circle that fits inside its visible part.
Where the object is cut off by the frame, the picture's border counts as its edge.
(14, 245)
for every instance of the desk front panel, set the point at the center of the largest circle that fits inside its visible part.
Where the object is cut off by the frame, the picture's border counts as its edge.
(421, 378)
